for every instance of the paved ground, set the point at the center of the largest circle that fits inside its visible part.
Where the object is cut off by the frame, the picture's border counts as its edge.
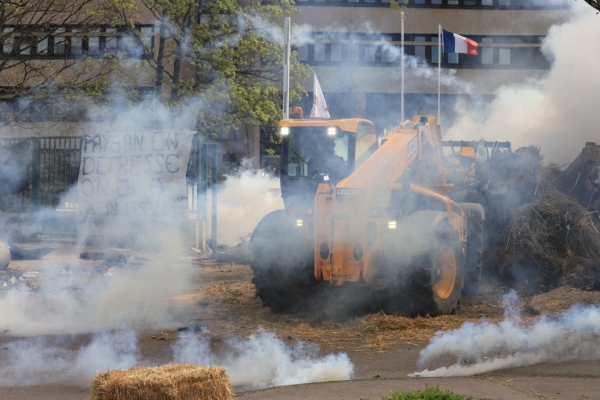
(504, 386)
(231, 310)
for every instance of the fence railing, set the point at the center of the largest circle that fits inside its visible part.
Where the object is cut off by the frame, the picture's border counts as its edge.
(49, 191)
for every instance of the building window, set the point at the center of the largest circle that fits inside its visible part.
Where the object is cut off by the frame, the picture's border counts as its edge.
(370, 53)
(319, 52)
(487, 53)
(420, 50)
(434, 51)
(336, 52)
(9, 41)
(504, 56)
(526, 54)
(352, 52)
(110, 46)
(303, 52)
(390, 54)
(42, 46)
(76, 43)
(93, 42)
(73, 42)
(482, 4)
(146, 35)
(59, 41)
(452, 58)
(25, 46)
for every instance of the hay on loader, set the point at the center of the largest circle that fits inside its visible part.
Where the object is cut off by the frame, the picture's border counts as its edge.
(168, 382)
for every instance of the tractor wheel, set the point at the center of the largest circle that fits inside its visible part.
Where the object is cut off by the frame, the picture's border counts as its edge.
(283, 287)
(436, 281)
(283, 272)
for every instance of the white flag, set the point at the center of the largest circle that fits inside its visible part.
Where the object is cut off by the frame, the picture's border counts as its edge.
(319, 108)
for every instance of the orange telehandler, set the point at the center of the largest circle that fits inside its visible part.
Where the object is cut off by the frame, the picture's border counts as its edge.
(376, 212)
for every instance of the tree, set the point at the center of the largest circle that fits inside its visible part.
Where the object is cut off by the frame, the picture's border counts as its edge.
(42, 54)
(225, 53)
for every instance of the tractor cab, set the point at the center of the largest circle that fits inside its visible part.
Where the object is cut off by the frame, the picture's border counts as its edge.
(318, 151)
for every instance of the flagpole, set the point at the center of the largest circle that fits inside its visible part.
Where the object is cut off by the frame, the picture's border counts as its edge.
(439, 71)
(402, 68)
(286, 69)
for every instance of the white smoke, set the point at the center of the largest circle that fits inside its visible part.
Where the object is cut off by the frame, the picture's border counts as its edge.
(260, 361)
(557, 112)
(264, 360)
(130, 297)
(73, 296)
(39, 361)
(475, 347)
(243, 200)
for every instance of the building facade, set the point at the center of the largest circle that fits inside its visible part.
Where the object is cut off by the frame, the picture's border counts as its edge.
(355, 51)
(353, 46)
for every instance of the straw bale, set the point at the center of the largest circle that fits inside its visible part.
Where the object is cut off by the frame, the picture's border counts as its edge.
(168, 382)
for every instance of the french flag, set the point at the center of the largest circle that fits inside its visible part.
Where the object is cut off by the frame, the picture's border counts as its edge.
(454, 43)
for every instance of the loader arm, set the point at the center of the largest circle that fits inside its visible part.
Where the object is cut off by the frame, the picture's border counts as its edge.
(354, 217)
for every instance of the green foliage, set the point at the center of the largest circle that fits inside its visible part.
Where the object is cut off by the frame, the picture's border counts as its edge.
(428, 394)
(232, 61)
(376, 375)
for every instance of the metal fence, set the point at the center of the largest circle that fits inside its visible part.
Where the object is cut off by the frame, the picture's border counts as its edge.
(50, 191)
(53, 169)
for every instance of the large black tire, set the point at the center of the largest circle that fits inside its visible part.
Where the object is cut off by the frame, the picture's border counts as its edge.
(282, 266)
(475, 246)
(430, 281)
(436, 279)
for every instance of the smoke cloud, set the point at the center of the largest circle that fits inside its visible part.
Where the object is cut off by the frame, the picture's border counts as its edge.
(556, 112)
(263, 360)
(49, 360)
(131, 195)
(76, 300)
(485, 347)
(242, 201)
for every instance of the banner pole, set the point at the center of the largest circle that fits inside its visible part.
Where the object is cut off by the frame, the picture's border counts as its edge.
(439, 72)
(286, 68)
(402, 69)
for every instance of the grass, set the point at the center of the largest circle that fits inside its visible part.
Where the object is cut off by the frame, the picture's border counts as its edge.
(428, 394)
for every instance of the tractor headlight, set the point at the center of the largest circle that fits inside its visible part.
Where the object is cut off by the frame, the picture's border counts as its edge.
(331, 131)
(284, 130)
(392, 225)
(299, 222)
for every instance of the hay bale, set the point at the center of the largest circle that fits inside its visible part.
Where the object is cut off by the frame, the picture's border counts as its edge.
(168, 382)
